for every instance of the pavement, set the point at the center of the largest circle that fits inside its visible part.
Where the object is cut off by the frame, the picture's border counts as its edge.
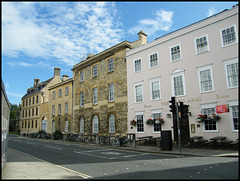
(24, 166)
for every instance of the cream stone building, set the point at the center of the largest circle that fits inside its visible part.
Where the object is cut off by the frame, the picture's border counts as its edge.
(198, 65)
(60, 106)
(100, 90)
(34, 107)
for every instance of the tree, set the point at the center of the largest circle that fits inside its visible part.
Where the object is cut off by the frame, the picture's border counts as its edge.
(14, 111)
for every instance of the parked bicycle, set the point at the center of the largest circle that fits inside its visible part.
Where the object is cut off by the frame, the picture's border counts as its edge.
(120, 141)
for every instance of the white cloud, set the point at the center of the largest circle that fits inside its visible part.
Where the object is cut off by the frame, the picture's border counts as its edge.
(25, 64)
(65, 31)
(162, 20)
(211, 11)
(14, 94)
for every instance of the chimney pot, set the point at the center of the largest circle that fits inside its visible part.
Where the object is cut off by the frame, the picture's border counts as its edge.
(57, 71)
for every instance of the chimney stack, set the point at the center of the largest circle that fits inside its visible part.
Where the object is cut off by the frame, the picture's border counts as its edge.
(57, 71)
(36, 82)
(142, 36)
(65, 77)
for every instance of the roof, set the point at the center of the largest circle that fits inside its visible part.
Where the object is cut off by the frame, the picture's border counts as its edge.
(60, 83)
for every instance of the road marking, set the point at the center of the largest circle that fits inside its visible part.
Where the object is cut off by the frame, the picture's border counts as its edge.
(78, 173)
(53, 147)
(31, 143)
(110, 153)
(93, 155)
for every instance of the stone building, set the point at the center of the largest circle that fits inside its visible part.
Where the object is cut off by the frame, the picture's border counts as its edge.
(60, 106)
(100, 90)
(34, 107)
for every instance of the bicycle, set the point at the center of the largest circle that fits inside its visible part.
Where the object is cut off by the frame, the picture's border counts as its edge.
(120, 141)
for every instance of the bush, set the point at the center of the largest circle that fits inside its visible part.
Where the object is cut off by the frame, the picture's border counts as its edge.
(57, 135)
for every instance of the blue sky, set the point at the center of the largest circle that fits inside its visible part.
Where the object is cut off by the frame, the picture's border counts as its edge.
(38, 36)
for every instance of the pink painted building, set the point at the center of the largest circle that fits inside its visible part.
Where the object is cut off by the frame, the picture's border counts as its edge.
(198, 65)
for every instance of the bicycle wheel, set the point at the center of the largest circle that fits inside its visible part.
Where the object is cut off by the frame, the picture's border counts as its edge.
(116, 143)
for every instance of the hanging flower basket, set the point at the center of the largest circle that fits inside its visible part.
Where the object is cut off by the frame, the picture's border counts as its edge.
(159, 120)
(201, 118)
(149, 121)
(214, 117)
(133, 122)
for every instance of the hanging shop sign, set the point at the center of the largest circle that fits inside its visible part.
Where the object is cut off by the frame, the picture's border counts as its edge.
(222, 108)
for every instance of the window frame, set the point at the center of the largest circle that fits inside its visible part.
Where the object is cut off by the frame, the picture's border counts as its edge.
(95, 124)
(180, 51)
(226, 63)
(95, 70)
(150, 63)
(236, 35)
(82, 76)
(110, 64)
(204, 68)
(209, 106)
(175, 74)
(95, 95)
(141, 123)
(111, 92)
(112, 123)
(135, 92)
(151, 88)
(196, 48)
(82, 99)
(134, 63)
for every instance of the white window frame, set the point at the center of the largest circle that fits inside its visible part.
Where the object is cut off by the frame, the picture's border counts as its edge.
(174, 74)
(82, 76)
(206, 106)
(150, 60)
(155, 112)
(95, 70)
(111, 65)
(235, 29)
(95, 123)
(82, 99)
(134, 62)
(111, 92)
(231, 104)
(53, 110)
(136, 127)
(54, 95)
(66, 125)
(170, 50)
(60, 92)
(95, 96)
(151, 88)
(111, 123)
(226, 63)
(59, 109)
(135, 98)
(196, 48)
(81, 125)
(66, 107)
(200, 69)
(66, 91)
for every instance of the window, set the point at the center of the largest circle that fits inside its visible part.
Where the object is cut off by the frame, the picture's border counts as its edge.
(81, 125)
(110, 65)
(178, 83)
(229, 36)
(29, 112)
(53, 110)
(59, 109)
(231, 69)
(53, 126)
(32, 123)
(209, 124)
(111, 92)
(153, 60)
(138, 65)
(155, 115)
(82, 99)
(95, 96)
(26, 113)
(140, 124)
(23, 103)
(36, 124)
(66, 125)
(23, 114)
(201, 44)
(82, 76)
(36, 111)
(175, 53)
(32, 111)
(205, 79)
(29, 101)
(66, 91)
(37, 99)
(33, 99)
(54, 94)
(155, 89)
(26, 102)
(138, 93)
(95, 71)
(66, 107)
(95, 124)
(111, 123)
(235, 118)
(60, 93)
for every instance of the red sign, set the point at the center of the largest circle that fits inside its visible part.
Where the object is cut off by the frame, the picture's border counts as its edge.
(222, 108)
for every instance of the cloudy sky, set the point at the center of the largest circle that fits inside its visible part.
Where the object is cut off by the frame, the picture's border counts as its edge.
(38, 36)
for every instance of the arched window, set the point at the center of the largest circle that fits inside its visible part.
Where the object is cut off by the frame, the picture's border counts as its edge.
(66, 125)
(44, 124)
(81, 125)
(111, 123)
(95, 124)
(53, 126)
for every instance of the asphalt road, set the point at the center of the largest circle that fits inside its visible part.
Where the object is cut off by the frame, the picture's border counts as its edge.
(109, 163)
